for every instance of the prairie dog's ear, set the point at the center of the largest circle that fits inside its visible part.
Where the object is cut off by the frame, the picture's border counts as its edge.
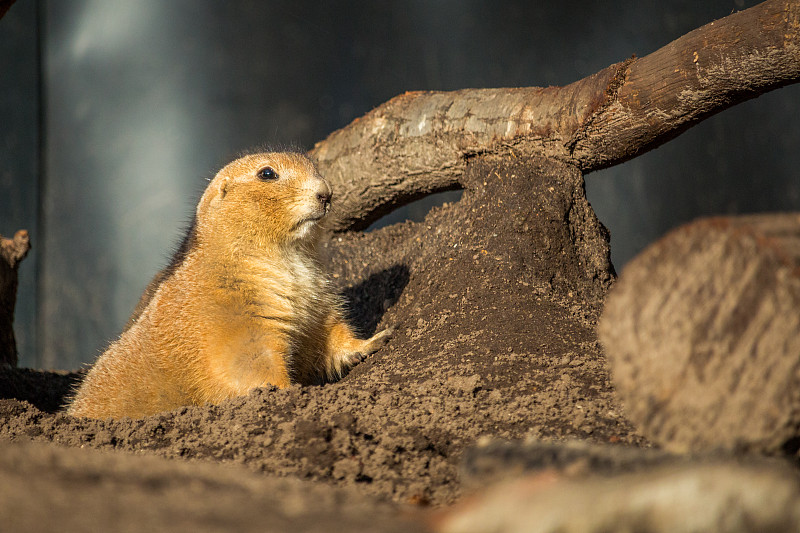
(216, 191)
(223, 188)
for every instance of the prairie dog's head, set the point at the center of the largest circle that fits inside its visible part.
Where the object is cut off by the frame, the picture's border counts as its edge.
(267, 198)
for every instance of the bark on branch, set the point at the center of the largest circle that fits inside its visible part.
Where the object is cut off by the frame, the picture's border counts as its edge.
(705, 71)
(419, 142)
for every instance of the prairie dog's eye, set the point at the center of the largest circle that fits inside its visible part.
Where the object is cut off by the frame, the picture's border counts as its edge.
(267, 174)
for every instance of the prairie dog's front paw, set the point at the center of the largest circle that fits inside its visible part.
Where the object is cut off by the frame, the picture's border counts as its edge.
(378, 341)
(358, 350)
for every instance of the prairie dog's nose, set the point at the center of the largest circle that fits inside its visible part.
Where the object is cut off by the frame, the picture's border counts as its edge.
(324, 192)
(324, 197)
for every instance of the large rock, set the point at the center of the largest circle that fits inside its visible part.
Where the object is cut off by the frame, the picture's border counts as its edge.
(702, 331)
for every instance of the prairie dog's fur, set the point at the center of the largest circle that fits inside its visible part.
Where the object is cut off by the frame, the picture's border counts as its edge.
(244, 303)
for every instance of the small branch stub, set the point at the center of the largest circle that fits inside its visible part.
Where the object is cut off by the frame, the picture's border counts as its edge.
(12, 251)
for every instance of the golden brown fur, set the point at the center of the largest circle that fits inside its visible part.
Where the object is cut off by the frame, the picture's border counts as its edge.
(243, 304)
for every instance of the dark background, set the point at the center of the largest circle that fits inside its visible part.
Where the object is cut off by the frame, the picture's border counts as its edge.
(115, 112)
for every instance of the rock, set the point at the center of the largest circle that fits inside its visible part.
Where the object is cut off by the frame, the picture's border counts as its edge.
(702, 332)
(721, 497)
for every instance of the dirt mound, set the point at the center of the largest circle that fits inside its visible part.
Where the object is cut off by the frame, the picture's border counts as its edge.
(493, 300)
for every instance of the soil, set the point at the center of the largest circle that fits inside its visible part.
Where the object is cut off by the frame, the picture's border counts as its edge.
(494, 301)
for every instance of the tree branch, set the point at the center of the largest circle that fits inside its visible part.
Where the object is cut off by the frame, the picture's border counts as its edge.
(419, 142)
(706, 71)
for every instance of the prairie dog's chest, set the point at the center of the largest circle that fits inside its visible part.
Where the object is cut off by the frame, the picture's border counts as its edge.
(293, 289)
(265, 313)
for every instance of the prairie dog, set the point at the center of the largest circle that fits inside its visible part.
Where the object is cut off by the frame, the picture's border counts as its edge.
(243, 304)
